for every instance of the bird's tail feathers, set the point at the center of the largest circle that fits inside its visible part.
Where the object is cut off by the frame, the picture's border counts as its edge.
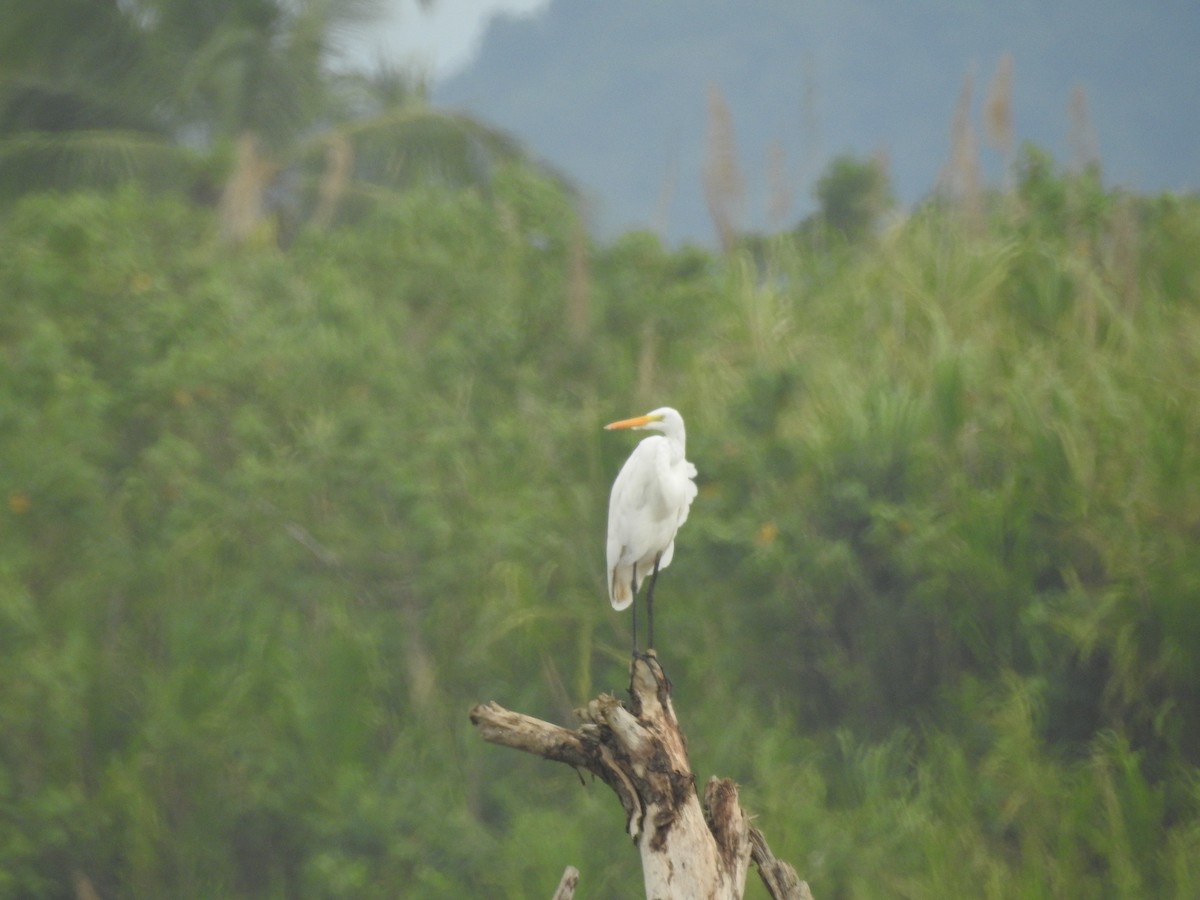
(618, 588)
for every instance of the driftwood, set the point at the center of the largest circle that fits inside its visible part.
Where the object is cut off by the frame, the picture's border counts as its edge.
(639, 751)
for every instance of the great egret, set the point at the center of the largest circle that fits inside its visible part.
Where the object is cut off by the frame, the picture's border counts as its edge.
(649, 501)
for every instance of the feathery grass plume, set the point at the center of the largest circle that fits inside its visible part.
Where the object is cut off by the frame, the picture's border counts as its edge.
(1083, 145)
(1085, 203)
(960, 180)
(724, 187)
(810, 122)
(1084, 192)
(998, 116)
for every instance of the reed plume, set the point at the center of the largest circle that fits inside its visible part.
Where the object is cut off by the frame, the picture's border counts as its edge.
(998, 116)
(960, 179)
(724, 186)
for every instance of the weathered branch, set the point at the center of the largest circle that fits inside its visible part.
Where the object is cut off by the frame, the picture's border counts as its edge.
(780, 878)
(566, 887)
(641, 753)
(522, 732)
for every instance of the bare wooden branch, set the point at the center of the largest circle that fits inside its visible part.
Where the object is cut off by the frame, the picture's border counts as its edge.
(522, 732)
(781, 879)
(566, 887)
(640, 752)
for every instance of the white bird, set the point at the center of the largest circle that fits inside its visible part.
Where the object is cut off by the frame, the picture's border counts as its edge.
(649, 501)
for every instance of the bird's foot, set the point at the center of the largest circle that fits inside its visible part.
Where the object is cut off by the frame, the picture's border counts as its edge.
(650, 657)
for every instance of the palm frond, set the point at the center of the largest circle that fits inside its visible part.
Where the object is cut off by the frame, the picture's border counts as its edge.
(33, 160)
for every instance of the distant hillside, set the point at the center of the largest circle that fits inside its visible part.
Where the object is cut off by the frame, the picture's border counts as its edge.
(614, 93)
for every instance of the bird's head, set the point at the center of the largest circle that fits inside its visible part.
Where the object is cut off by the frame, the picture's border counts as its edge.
(663, 419)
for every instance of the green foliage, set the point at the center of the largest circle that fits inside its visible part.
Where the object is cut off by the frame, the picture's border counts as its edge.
(853, 194)
(272, 521)
(229, 103)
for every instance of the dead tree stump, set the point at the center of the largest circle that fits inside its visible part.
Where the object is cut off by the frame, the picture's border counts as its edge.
(640, 752)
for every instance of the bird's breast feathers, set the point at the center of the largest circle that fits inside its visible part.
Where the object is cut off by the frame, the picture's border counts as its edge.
(650, 500)
(652, 484)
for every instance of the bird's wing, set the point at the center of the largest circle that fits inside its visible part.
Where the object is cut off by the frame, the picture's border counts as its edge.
(677, 488)
(634, 517)
(634, 495)
(650, 499)
(619, 575)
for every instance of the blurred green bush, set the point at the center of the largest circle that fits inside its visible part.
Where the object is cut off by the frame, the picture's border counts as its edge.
(272, 522)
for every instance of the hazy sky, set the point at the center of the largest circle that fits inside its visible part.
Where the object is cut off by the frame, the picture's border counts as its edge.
(440, 41)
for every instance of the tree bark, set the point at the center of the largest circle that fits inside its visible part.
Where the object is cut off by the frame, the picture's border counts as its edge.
(640, 752)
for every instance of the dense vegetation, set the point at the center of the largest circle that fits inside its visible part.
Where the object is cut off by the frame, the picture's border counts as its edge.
(273, 520)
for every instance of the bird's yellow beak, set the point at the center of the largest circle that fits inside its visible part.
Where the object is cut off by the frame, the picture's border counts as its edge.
(635, 422)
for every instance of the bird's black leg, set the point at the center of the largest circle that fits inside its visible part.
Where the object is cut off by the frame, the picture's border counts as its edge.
(650, 605)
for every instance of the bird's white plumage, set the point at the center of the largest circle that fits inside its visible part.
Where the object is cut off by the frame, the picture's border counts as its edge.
(649, 501)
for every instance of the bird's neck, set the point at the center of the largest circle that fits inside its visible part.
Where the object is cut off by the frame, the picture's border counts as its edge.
(678, 447)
